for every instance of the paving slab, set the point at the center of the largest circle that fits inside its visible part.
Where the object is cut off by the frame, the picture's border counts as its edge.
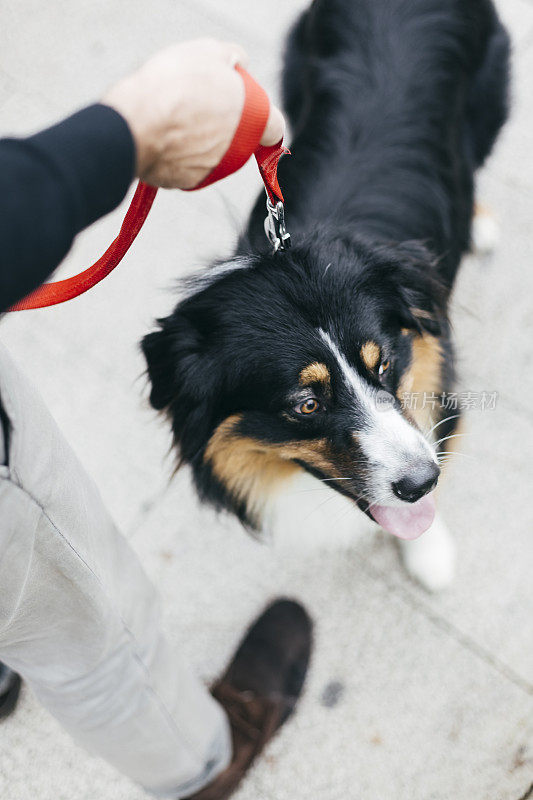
(409, 694)
(492, 313)
(395, 708)
(485, 500)
(512, 161)
(410, 697)
(72, 52)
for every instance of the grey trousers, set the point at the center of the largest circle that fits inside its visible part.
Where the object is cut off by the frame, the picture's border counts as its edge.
(79, 618)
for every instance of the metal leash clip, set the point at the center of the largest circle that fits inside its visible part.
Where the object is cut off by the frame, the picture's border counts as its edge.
(275, 229)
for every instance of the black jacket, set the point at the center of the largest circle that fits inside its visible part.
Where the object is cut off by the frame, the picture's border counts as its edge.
(54, 184)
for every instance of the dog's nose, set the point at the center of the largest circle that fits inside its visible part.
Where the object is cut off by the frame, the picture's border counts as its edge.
(420, 480)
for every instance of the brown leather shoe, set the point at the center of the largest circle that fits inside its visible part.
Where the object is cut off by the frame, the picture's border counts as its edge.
(261, 687)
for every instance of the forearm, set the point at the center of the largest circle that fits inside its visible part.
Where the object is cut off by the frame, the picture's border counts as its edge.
(170, 123)
(52, 186)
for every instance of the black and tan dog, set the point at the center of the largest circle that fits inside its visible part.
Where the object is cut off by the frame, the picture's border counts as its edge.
(298, 360)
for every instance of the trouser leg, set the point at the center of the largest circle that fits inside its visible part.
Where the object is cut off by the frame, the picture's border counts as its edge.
(79, 618)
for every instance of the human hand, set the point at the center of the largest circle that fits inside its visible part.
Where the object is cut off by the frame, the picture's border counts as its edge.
(183, 107)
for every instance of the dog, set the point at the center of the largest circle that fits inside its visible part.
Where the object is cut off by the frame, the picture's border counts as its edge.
(278, 362)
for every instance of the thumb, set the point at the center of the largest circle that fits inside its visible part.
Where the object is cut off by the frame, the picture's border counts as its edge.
(275, 127)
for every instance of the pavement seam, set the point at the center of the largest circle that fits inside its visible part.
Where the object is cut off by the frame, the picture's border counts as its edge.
(463, 639)
(438, 621)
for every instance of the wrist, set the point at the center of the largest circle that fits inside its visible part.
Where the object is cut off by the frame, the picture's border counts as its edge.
(123, 98)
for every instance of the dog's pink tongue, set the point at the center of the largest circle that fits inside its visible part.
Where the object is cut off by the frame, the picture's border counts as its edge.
(408, 521)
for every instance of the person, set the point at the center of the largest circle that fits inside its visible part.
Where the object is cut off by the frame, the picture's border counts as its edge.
(78, 616)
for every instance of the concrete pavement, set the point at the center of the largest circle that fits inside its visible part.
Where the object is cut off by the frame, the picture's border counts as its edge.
(410, 696)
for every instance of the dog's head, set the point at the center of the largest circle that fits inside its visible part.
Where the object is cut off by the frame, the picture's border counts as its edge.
(297, 360)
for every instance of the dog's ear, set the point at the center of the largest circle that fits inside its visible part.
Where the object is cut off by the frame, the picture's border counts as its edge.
(183, 379)
(421, 294)
(157, 350)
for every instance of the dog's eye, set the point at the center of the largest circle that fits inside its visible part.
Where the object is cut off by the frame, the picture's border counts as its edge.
(309, 406)
(383, 367)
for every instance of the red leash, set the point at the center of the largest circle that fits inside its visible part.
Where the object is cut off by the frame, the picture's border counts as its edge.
(246, 140)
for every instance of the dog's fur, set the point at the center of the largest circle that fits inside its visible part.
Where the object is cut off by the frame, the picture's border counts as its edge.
(394, 104)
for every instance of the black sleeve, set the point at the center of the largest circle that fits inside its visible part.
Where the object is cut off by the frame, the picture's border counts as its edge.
(54, 184)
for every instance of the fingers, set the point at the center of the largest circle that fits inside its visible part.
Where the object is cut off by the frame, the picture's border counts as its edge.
(275, 128)
(191, 88)
(234, 54)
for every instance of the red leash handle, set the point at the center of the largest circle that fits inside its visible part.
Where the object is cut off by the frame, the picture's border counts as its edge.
(246, 141)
